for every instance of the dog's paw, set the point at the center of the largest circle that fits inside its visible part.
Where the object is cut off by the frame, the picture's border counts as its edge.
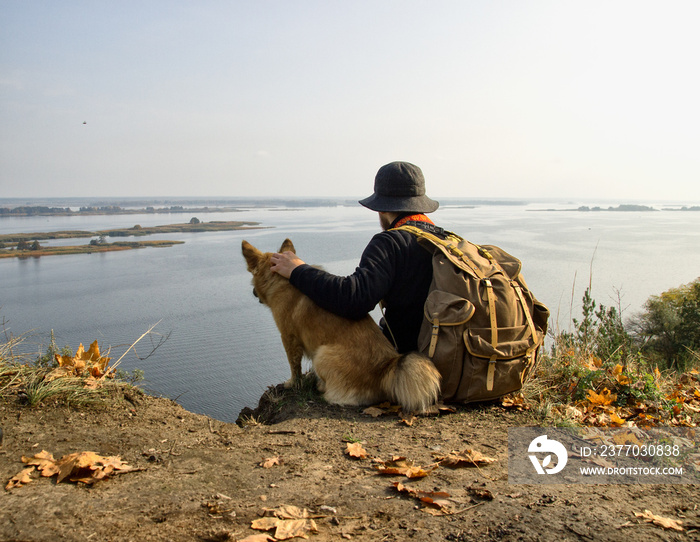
(291, 383)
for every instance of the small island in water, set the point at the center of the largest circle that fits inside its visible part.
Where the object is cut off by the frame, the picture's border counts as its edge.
(623, 208)
(27, 245)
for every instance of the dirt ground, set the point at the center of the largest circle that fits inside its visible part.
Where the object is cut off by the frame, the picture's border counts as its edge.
(201, 479)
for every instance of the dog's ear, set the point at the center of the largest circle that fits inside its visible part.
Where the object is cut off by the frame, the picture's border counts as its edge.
(287, 246)
(251, 254)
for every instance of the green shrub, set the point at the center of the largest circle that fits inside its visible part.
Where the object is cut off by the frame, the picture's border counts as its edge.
(668, 330)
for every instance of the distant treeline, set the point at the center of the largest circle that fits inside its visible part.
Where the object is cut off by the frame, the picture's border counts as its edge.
(622, 209)
(636, 208)
(217, 206)
(40, 210)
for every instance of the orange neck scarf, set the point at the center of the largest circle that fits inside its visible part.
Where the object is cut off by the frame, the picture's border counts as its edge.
(412, 218)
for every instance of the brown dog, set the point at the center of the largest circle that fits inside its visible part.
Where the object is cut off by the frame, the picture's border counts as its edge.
(353, 360)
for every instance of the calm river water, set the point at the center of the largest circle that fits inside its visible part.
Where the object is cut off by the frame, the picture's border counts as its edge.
(223, 348)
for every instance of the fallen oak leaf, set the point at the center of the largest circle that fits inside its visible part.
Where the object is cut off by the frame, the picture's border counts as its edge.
(374, 411)
(436, 499)
(355, 449)
(420, 493)
(44, 463)
(466, 458)
(21, 478)
(604, 398)
(71, 464)
(408, 420)
(615, 419)
(516, 402)
(399, 465)
(257, 538)
(91, 361)
(291, 528)
(265, 524)
(270, 462)
(481, 492)
(666, 523)
(287, 520)
(88, 467)
(621, 378)
(287, 511)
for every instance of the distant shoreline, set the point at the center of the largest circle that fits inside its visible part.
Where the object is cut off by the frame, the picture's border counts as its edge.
(26, 245)
(16, 207)
(40, 210)
(80, 207)
(618, 209)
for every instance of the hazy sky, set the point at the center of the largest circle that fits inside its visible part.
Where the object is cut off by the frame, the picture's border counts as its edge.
(521, 98)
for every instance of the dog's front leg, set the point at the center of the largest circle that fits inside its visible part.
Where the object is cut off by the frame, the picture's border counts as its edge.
(295, 352)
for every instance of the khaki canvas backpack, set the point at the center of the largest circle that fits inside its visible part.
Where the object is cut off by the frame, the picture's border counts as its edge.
(482, 327)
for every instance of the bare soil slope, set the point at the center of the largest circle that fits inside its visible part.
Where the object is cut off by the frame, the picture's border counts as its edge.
(201, 479)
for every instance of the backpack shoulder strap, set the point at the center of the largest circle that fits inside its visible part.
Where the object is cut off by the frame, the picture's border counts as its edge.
(449, 246)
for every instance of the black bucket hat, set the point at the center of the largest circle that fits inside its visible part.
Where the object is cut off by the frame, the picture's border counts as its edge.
(400, 187)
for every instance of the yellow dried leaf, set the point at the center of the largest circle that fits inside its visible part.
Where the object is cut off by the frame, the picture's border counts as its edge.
(90, 361)
(515, 402)
(617, 373)
(89, 467)
(592, 363)
(44, 462)
(286, 511)
(615, 419)
(604, 398)
(355, 449)
(270, 462)
(373, 411)
(257, 538)
(71, 463)
(403, 467)
(666, 523)
(408, 420)
(291, 528)
(289, 511)
(21, 478)
(466, 458)
(264, 524)
(288, 522)
(437, 501)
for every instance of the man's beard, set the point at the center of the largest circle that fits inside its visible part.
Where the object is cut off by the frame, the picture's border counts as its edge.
(384, 222)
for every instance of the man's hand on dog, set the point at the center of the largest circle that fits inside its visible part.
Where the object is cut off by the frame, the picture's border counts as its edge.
(285, 263)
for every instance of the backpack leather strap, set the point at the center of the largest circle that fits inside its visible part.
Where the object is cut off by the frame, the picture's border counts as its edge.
(434, 336)
(528, 316)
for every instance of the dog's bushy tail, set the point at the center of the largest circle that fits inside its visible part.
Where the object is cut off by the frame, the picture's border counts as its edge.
(412, 381)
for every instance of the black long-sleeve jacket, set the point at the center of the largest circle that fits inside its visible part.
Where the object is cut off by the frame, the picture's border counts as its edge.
(394, 269)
